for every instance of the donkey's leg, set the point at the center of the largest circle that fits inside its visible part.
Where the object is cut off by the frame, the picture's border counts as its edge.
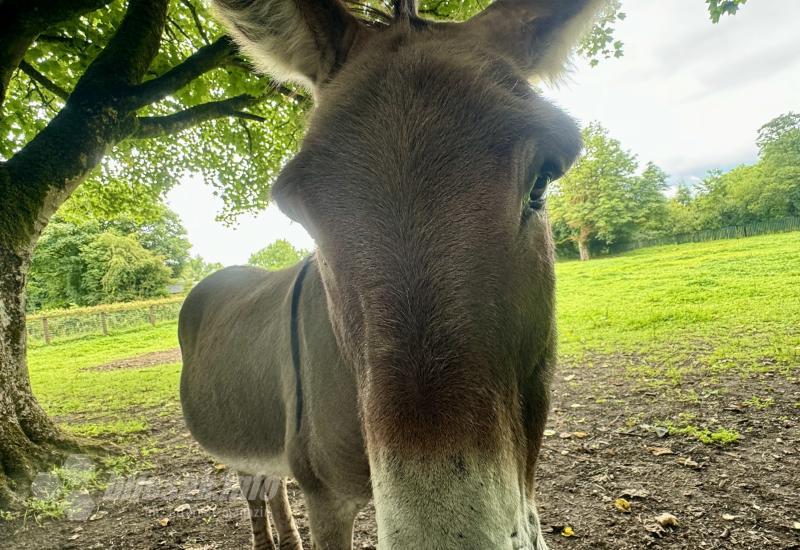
(288, 537)
(253, 490)
(331, 521)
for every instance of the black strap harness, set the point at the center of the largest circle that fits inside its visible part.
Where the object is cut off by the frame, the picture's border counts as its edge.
(295, 341)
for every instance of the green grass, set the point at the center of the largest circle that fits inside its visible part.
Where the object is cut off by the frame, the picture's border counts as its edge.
(56, 500)
(722, 305)
(760, 404)
(41, 509)
(730, 307)
(110, 402)
(720, 436)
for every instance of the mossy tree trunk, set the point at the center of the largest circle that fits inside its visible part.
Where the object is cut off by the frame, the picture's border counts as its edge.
(28, 437)
(98, 113)
(33, 184)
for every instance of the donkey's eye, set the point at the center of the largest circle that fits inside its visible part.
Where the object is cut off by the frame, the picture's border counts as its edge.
(536, 196)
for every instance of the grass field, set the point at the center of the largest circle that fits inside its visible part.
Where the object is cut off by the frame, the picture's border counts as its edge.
(701, 341)
(95, 401)
(727, 304)
(721, 305)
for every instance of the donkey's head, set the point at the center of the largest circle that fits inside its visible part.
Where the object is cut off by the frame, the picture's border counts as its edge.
(421, 179)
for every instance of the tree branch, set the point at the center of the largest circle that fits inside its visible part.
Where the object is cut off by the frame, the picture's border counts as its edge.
(48, 84)
(50, 12)
(193, 10)
(21, 21)
(203, 60)
(49, 167)
(150, 127)
(180, 30)
(125, 60)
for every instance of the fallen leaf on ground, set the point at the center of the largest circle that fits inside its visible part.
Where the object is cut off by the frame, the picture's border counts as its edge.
(548, 433)
(219, 467)
(688, 462)
(567, 532)
(667, 520)
(622, 505)
(728, 517)
(658, 451)
(580, 435)
(163, 522)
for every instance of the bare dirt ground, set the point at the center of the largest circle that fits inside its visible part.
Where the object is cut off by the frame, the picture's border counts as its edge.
(140, 361)
(607, 439)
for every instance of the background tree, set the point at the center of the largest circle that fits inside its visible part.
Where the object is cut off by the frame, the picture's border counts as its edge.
(162, 233)
(592, 201)
(648, 203)
(602, 200)
(54, 279)
(766, 190)
(681, 216)
(683, 194)
(277, 255)
(67, 255)
(197, 269)
(777, 129)
(779, 142)
(119, 269)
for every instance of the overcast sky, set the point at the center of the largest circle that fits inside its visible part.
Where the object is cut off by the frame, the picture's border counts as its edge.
(688, 95)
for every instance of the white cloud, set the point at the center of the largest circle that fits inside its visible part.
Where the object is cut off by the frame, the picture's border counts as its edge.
(690, 95)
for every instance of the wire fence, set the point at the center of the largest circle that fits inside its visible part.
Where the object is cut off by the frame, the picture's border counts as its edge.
(69, 324)
(781, 225)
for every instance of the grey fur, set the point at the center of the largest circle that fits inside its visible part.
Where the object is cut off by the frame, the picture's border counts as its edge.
(426, 321)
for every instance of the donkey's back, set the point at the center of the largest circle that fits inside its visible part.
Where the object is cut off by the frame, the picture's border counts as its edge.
(237, 379)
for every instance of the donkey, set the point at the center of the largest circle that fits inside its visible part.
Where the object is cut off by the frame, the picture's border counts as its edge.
(409, 359)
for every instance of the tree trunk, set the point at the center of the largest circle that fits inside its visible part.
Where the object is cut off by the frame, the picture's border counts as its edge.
(583, 248)
(28, 437)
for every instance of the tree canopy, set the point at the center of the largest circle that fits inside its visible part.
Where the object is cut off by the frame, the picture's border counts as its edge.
(602, 199)
(108, 260)
(196, 84)
(768, 189)
(277, 255)
(197, 269)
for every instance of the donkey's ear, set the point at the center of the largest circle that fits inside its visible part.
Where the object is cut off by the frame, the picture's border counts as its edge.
(537, 36)
(305, 41)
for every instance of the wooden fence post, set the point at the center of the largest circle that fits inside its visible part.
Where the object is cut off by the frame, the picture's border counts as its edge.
(152, 314)
(46, 330)
(103, 323)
